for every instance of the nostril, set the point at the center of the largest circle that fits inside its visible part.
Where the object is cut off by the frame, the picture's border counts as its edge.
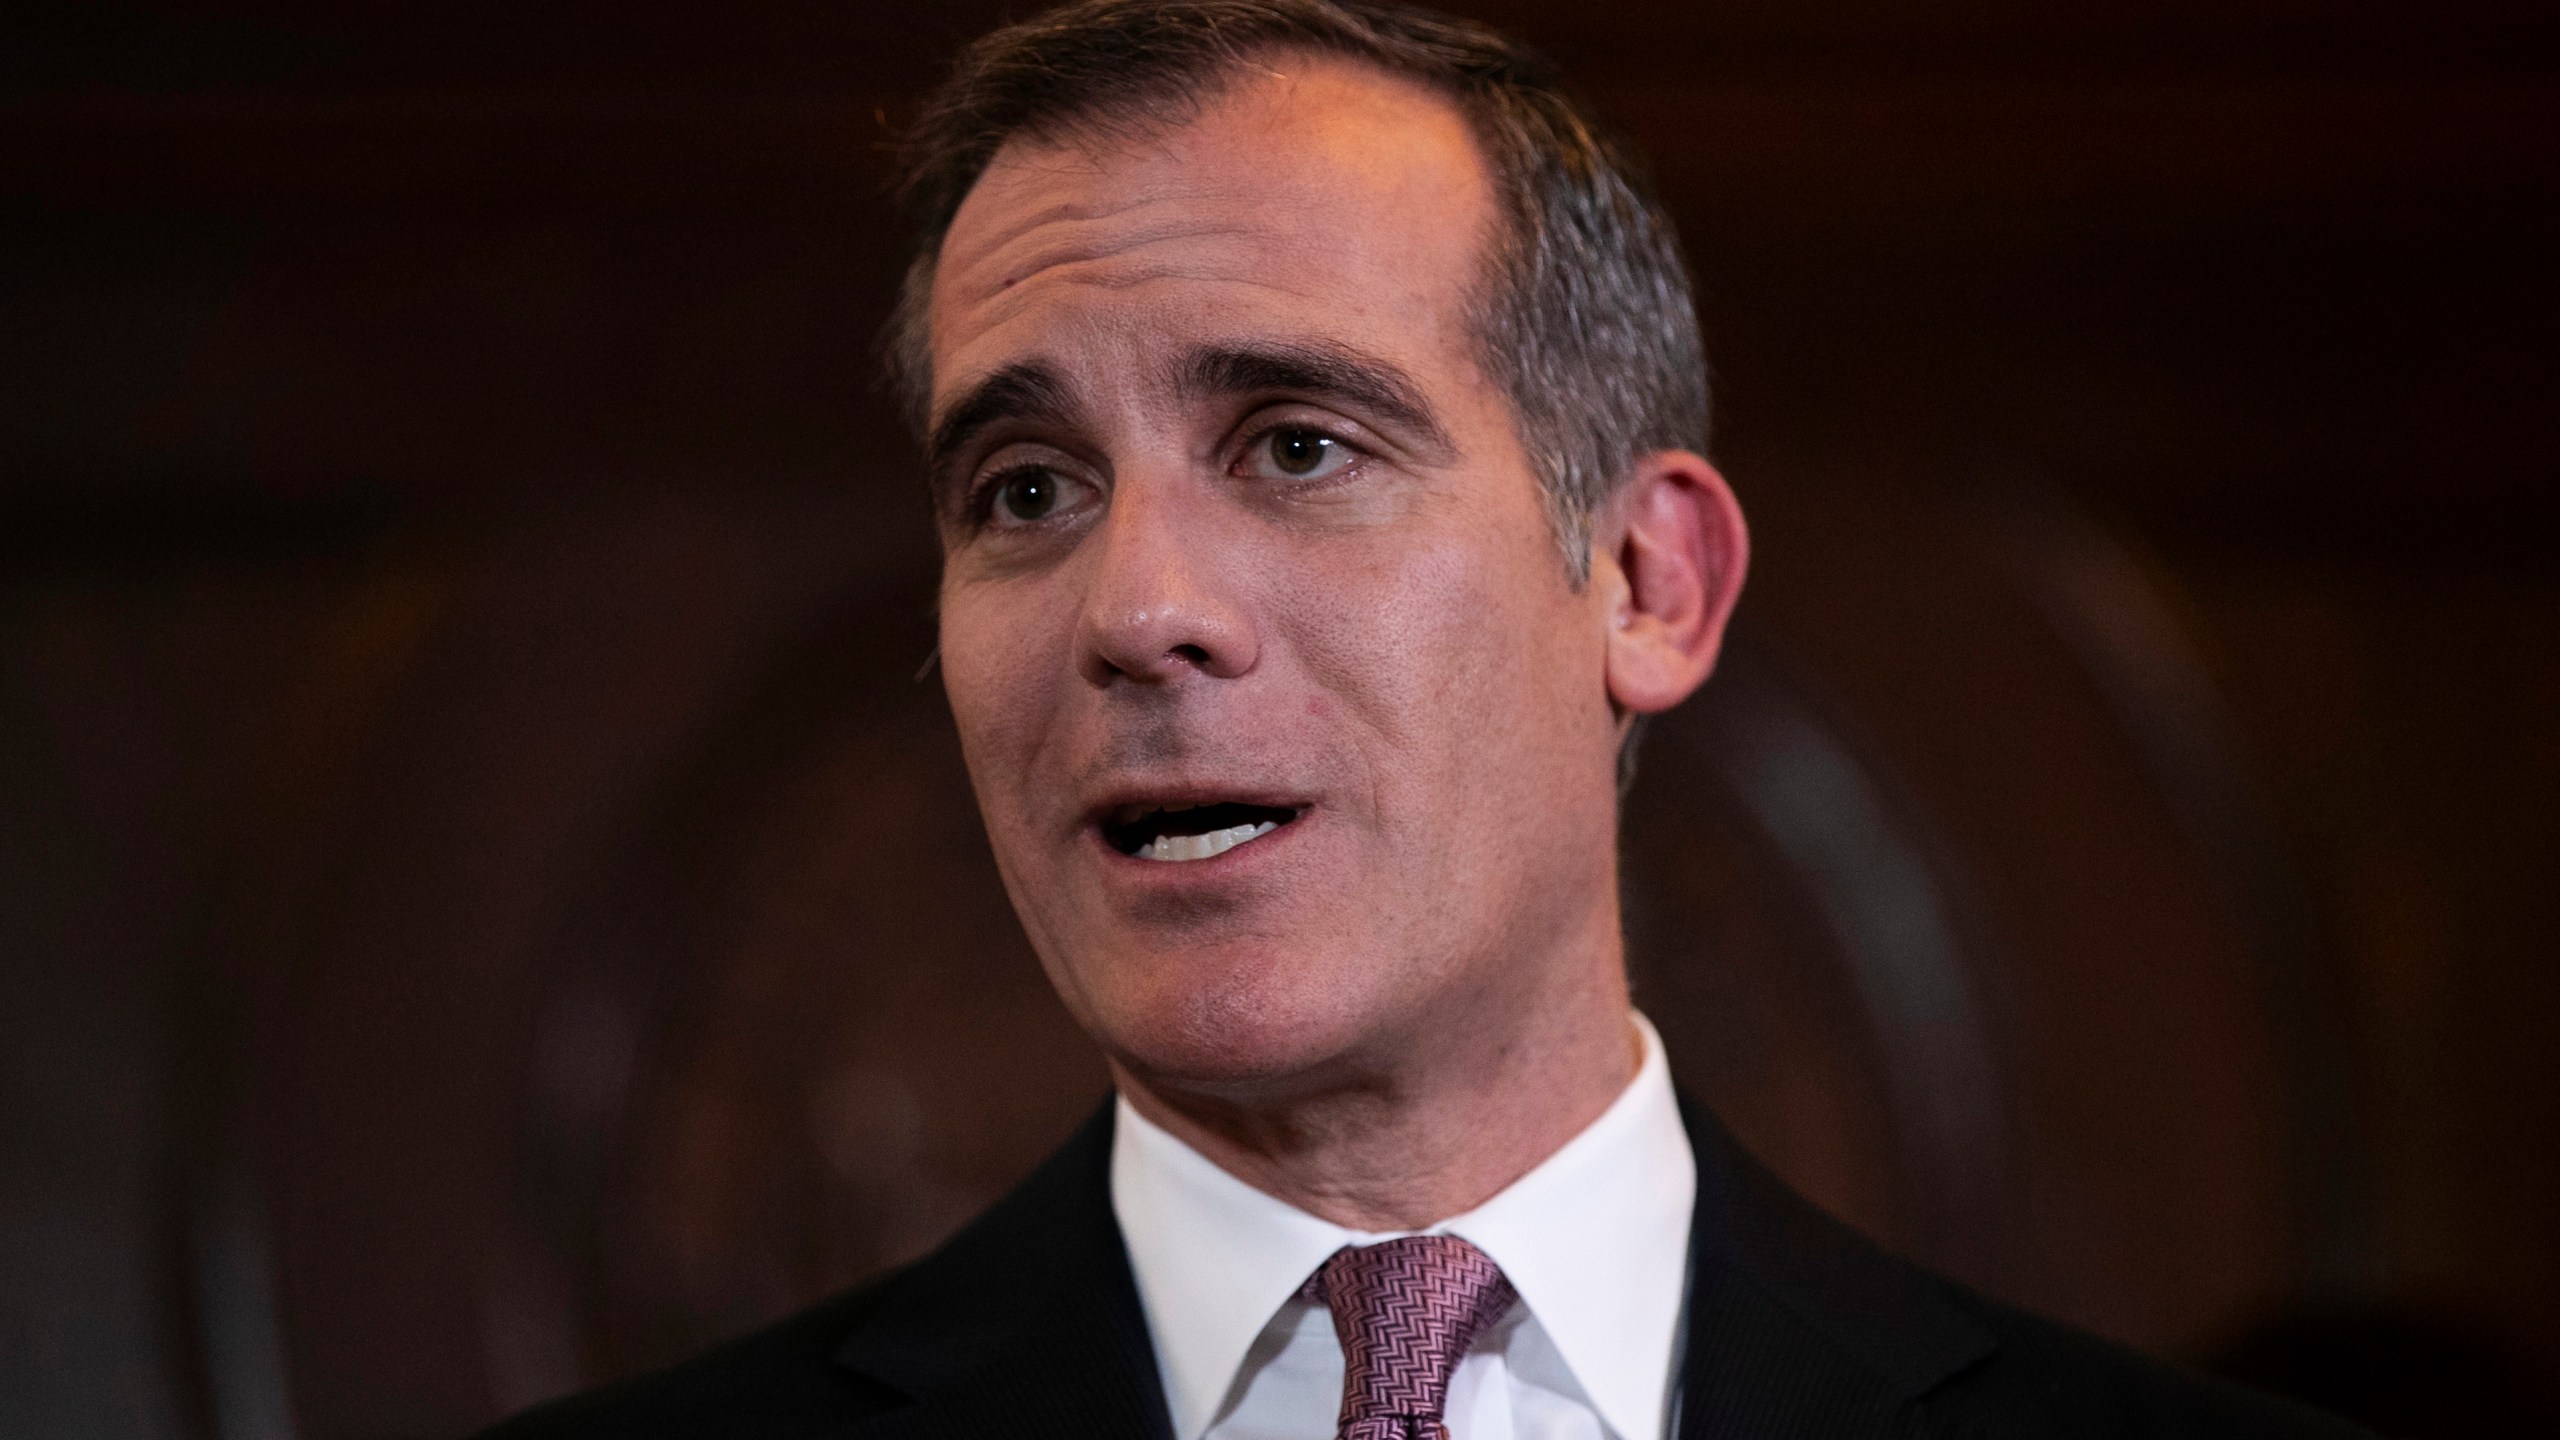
(1191, 653)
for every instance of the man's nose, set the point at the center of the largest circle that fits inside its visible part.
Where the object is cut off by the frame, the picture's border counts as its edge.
(1165, 600)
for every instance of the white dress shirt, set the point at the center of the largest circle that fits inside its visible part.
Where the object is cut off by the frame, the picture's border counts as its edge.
(1595, 1239)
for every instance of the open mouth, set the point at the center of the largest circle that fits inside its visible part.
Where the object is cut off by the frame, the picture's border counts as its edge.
(1191, 832)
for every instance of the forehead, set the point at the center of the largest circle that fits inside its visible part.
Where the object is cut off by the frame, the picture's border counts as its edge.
(1311, 199)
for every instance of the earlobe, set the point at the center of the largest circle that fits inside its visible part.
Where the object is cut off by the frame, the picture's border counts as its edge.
(1680, 550)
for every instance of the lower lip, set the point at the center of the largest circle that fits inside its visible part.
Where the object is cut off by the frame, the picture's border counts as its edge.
(1175, 871)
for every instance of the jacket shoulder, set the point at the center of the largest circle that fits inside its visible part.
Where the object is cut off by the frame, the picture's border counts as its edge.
(876, 1348)
(776, 1382)
(2047, 1378)
(1947, 1361)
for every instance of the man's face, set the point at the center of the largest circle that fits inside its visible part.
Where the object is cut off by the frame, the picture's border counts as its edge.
(1289, 729)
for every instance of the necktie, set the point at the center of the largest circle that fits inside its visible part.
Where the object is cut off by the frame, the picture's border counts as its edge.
(1405, 1310)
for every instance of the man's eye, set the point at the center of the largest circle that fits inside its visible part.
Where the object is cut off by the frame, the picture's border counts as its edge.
(1027, 495)
(1295, 453)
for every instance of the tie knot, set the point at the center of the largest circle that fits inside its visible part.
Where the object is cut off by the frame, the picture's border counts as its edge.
(1405, 1311)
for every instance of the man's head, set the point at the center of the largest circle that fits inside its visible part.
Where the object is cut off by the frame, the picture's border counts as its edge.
(1266, 351)
(1580, 308)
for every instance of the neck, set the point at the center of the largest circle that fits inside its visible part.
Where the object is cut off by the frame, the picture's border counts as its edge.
(1440, 1125)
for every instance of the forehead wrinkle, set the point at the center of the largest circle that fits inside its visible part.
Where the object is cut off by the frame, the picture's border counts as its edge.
(1010, 268)
(1088, 211)
(1130, 316)
(991, 288)
(1078, 211)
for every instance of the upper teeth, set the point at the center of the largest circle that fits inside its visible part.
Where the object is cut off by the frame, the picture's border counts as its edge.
(1201, 847)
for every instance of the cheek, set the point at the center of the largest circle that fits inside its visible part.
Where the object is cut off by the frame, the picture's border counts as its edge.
(1457, 662)
(993, 673)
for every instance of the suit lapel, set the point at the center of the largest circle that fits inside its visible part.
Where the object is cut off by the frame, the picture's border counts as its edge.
(1797, 1325)
(1026, 1323)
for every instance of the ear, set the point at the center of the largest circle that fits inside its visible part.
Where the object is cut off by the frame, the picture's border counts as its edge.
(1667, 563)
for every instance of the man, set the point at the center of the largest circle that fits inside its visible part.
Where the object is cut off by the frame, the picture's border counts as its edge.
(1314, 413)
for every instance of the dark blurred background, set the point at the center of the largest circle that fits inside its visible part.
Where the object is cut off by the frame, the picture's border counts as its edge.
(487, 905)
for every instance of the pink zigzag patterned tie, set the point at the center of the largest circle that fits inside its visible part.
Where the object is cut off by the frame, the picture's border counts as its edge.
(1405, 1310)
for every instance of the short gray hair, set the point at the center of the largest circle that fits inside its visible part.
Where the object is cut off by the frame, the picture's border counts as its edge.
(1585, 317)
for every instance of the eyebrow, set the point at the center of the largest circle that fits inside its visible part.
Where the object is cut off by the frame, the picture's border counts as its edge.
(1314, 370)
(1317, 370)
(1027, 389)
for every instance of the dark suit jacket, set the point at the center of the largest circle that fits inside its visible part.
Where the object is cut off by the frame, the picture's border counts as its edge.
(1027, 1324)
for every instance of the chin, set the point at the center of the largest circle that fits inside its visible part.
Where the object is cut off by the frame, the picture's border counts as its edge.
(1235, 1021)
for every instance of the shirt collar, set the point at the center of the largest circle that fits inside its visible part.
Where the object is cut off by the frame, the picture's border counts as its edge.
(1595, 1239)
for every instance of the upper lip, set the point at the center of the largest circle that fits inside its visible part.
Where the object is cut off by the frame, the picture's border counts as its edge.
(1120, 805)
